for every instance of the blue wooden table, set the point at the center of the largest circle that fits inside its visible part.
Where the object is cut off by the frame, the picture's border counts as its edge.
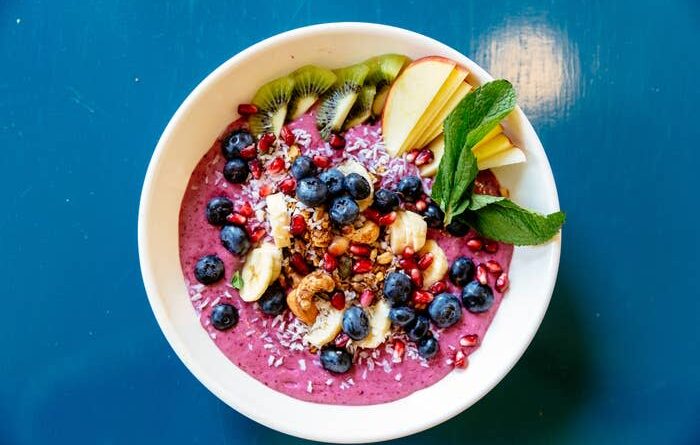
(87, 87)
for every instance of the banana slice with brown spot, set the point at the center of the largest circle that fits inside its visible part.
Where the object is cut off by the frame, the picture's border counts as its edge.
(278, 217)
(409, 229)
(352, 166)
(327, 325)
(379, 325)
(262, 266)
(438, 268)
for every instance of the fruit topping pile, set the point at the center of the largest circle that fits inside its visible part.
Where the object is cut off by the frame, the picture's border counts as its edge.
(354, 259)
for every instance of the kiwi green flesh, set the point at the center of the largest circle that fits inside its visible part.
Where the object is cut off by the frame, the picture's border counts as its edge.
(274, 94)
(385, 68)
(380, 100)
(300, 105)
(334, 109)
(268, 121)
(362, 109)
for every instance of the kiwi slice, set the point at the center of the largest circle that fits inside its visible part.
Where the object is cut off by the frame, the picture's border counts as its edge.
(339, 99)
(271, 100)
(362, 109)
(310, 82)
(383, 70)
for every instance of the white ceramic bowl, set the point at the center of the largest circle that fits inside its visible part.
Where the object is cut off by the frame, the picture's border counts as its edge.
(191, 132)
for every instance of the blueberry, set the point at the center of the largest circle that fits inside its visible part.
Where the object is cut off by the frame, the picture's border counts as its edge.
(434, 216)
(344, 210)
(273, 301)
(402, 315)
(303, 167)
(457, 228)
(461, 271)
(224, 316)
(334, 179)
(235, 240)
(358, 186)
(218, 208)
(418, 329)
(209, 269)
(356, 323)
(411, 188)
(445, 310)
(232, 144)
(397, 288)
(312, 191)
(428, 347)
(336, 360)
(236, 171)
(385, 201)
(477, 297)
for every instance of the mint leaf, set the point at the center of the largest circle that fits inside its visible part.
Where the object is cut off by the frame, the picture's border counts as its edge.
(479, 201)
(237, 280)
(503, 220)
(477, 114)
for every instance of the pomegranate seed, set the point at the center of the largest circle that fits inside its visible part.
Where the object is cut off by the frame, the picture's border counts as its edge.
(469, 340)
(276, 166)
(407, 264)
(474, 245)
(408, 252)
(288, 186)
(421, 205)
(297, 225)
(399, 348)
(321, 161)
(493, 267)
(246, 209)
(342, 339)
(460, 360)
(372, 215)
(411, 156)
(481, 274)
(257, 234)
(248, 153)
(247, 109)
(424, 157)
(417, 277)
(329, 262)
(237, 218)
(425, 261)
(287, 136)
(422, 297)
(387, 219)
(502, 282)
(491, 246)
(362, 265)
(266, 142)
(336, 141)
(360, 250)
(299, 264)
(255, 168)
(438, 287)
(338, 300)
(266, 189)
(366, 298)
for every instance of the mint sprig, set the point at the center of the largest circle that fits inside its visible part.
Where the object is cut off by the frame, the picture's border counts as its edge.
(477, 114)
(494, 217)
(237, 280)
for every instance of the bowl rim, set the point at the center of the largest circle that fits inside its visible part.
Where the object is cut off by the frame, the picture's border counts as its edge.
(167, 326)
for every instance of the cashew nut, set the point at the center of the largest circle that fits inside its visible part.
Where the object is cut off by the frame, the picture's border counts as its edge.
(301, 299)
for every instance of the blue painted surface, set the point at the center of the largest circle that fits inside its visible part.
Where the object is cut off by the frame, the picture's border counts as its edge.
(611, 87)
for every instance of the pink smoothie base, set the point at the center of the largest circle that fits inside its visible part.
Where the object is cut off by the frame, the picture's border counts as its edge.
(269, 348)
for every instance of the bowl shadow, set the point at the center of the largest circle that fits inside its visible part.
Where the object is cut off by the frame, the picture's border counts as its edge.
(533, 403)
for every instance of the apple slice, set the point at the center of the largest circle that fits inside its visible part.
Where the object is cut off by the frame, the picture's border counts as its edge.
(513, 155)
(435, 128)
(492, 146)
(409, 97)
(447, 90)
(437, 146)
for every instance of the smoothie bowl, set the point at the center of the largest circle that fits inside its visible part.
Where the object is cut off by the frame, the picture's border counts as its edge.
(327, 232)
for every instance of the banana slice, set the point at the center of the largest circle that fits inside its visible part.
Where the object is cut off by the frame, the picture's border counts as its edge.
(438, 268)
(327, 325)
(409, 229)
(379, 325)
(278, 218)
(262, 266)
(352, 166)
